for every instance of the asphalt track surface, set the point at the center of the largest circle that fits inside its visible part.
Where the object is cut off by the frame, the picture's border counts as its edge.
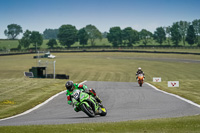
(123, 100)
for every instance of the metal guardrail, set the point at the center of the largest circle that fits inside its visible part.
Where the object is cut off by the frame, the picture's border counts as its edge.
(101, 50)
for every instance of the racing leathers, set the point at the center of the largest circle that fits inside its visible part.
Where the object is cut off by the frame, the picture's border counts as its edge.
(82, 88)
(139, 72)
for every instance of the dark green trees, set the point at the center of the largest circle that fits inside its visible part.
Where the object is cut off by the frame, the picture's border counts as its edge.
(26, 40)
(168, 34)
(190, 38)
(130, 36)
(52, 43)
(196, 25)
(183, 26)
(93, 33)
(115, 36)
(145, 35)
(127, 36)
(159, 35)
(13, 31)
(29, 37)
(175, 34)
(36, 39)
(83, 37)
(67, 35)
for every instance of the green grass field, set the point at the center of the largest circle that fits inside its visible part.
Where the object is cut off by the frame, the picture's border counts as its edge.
(118, 67)
(170, 125)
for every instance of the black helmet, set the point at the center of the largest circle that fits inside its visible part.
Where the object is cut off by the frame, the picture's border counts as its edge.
(69, 85)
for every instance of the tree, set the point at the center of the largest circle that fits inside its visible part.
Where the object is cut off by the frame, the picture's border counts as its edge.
(160, 35)
(130, 36)
(50, 33)
(25, 41)
(183, 26)
(52, 42)
(115, 36)
(93, 33)
(145, 35)
(67, 35)
(83, 36)
(190, 38)
(196, 25)
(36, 39)
(168, 33)
(175, 33)
(13, 31)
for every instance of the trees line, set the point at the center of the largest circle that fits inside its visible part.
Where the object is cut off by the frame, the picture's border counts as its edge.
(68, 34)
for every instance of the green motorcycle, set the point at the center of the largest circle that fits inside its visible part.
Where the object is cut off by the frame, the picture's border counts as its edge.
(87, 103)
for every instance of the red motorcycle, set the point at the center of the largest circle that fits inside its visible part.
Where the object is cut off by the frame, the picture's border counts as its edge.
(140, 79)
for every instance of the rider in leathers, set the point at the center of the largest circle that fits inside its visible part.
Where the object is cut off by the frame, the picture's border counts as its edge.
(70, 86)
(139, 72)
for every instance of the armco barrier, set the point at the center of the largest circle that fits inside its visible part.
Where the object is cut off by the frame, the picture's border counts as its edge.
(104, 50)
(134, 51)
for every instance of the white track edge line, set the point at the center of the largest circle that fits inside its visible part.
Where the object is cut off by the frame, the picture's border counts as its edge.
(179, 97)
(39, 105)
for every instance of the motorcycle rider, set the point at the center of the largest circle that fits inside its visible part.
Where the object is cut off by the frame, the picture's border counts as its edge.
(139, 72)
(70, 86)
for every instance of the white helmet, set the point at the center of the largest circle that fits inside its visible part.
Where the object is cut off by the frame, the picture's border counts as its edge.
(139, 68)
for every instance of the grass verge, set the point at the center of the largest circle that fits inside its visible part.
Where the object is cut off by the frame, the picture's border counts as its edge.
(190, 124)
(18, 95)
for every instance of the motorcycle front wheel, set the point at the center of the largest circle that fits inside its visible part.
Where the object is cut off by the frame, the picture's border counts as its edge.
(88, 110)
(140, 84)
(104, 112)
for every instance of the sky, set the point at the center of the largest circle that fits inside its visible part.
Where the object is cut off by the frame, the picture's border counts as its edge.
(38, 15)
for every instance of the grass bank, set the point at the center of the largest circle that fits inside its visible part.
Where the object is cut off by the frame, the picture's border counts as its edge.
(20, 94)
(190, 124)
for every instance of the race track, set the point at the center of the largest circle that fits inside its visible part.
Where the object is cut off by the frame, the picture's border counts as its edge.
(123, 100)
